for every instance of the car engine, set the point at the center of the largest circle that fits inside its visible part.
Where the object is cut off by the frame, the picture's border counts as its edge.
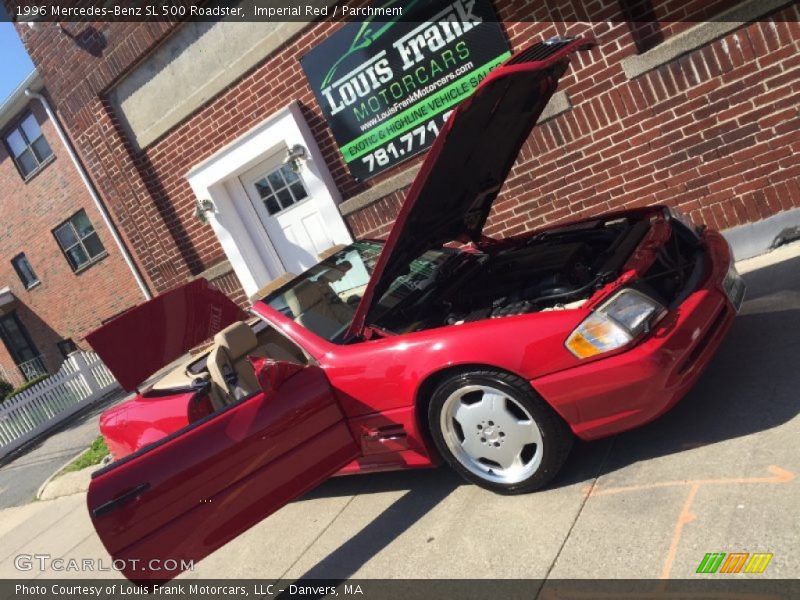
(551, 270)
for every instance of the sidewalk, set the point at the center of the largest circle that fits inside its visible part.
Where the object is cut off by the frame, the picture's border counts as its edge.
(23, 472)
(389, 525)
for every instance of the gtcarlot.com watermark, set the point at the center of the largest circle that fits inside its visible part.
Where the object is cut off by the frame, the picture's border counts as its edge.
(48, 563)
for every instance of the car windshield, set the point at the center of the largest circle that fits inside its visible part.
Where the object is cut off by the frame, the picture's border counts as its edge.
(324, 298)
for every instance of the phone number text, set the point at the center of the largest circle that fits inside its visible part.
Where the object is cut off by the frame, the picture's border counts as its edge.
(406, 145)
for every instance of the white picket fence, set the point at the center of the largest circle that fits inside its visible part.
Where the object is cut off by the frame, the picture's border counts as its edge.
(82, 379)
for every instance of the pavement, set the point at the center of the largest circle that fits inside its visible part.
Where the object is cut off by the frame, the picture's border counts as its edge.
(66, 484)
(23, 472)
(718, 473)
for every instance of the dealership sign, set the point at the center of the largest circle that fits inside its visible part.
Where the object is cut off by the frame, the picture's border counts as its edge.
(387, 87)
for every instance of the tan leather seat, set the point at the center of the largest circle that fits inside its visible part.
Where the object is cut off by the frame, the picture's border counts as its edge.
(317, 307)
(230, 370)
(232, 375)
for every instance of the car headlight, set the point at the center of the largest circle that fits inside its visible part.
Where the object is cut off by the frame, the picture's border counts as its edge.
(615, 323)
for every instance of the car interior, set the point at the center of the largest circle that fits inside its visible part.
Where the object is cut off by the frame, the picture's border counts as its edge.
(317, 306)
(224, 362)
(324, 299)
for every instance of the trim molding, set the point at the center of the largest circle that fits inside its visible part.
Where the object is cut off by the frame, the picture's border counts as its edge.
(218, 270)
(699, 35)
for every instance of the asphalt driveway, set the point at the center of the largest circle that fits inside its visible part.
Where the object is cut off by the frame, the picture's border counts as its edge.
(716, 474)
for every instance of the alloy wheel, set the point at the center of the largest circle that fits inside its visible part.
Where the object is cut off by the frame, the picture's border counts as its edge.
(491, 434)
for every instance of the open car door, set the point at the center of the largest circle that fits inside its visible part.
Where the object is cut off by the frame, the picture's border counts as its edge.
(181, 498)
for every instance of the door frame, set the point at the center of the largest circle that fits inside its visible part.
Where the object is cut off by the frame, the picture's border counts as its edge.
(232, 215)
(13, 351)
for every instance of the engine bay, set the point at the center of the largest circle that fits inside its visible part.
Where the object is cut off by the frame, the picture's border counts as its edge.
(552, 270)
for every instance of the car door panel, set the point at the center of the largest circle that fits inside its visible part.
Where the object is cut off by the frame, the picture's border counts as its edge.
(190, 493)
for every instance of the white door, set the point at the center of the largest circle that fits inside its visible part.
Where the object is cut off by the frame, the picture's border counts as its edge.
(289, 213)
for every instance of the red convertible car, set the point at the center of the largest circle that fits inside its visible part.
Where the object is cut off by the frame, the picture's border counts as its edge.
(439, 344)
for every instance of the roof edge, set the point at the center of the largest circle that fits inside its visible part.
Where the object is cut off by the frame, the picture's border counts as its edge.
(17, 100)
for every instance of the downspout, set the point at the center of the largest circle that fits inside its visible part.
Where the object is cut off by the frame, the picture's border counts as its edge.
(93, 193)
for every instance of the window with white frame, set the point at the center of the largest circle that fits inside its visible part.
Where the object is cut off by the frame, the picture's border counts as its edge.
(280, 189)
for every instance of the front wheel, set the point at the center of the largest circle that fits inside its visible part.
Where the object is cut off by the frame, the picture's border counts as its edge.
(493, 429)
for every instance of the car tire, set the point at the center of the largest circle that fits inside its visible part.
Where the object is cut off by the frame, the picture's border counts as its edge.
(493, 429)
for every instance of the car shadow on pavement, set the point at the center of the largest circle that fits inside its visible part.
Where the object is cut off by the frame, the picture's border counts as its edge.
(426, 488)
(750, 386)
(375, 483)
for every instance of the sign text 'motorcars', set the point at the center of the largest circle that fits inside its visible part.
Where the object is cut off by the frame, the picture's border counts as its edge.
(386, 87)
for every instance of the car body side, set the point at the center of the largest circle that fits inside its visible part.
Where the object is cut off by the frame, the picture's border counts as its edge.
(386, 379)
(383, 384)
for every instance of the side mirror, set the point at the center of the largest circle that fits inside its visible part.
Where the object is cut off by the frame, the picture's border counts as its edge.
(271, 374)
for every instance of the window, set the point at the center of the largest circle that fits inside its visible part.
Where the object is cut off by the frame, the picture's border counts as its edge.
(24, 270)
(66, 347)
(280, 189)
(324, 298)
(27, 146)
(79, 241)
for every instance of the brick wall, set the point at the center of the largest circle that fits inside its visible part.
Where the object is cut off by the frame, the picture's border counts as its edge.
(713, 133)
(65, 304)
(229, 285)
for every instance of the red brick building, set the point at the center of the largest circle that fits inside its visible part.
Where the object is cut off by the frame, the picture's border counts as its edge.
(61, 274)
(700, 116)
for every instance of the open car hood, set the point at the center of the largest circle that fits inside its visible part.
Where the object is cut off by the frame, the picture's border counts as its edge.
(139, 342)
(468, 163)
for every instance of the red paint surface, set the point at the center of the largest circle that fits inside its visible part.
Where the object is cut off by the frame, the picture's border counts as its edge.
(616, 393)
(141, 421)
(215, 480)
